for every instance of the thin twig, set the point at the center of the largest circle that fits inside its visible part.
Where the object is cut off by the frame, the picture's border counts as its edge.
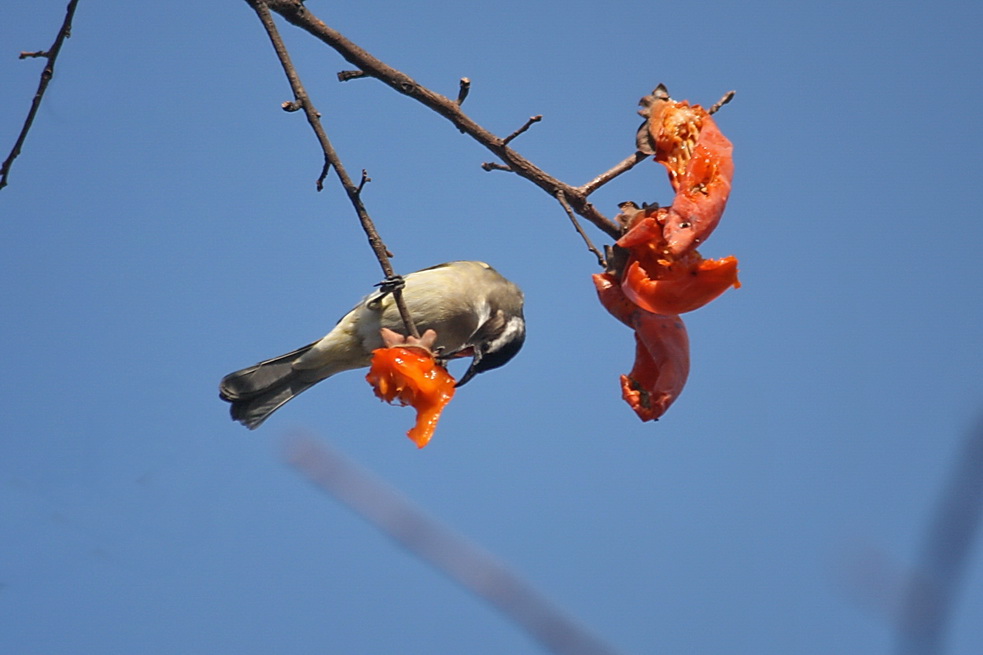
(576, 224)
(494, 166)
(447, 551)
(323, 175)
(344, 76)
(46, 74)
(623, 166)
(526, 126)
(332, 160)
(464, 88)
(296, 13)
(720, 103)
(361, 184)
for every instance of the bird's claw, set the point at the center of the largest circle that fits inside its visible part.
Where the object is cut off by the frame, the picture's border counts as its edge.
(391, 283)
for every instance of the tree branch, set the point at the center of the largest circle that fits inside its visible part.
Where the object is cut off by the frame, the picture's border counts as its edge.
(49, 70)
(294, 12)
(393, 283)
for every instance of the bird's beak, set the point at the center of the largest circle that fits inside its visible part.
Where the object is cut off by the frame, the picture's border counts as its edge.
(472, 370)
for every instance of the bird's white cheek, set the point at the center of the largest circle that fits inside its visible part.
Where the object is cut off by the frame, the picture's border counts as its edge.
(513, 328)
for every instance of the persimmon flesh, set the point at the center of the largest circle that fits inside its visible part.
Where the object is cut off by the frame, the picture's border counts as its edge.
(411, 376)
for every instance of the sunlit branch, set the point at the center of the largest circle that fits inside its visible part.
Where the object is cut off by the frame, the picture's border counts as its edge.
(295, 12)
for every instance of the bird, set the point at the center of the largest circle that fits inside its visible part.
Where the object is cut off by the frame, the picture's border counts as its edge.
(474, 310)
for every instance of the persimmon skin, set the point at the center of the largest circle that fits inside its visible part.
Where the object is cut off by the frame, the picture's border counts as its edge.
(700, 162)
(646, 233)
(661, 352)
(661, 283)
(411, 376)
(613, 298)
(681, 286)
(703, 191)
(664, 274)
(661, 365)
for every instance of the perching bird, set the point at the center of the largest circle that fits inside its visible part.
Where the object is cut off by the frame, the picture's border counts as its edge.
(473, 309)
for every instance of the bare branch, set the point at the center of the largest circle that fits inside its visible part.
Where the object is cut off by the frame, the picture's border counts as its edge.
(720, 103)
(576, 224)
(526, 126)
(447, 551)
(331, 159)
(295, 12)
(49, 70)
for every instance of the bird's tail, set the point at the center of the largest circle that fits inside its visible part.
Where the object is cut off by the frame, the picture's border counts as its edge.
(258, 391)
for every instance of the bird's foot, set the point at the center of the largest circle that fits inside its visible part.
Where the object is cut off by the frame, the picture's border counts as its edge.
(391, 283)
(393, 339)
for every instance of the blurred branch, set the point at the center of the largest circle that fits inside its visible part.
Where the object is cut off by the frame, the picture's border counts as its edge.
(46, 74)
(934, 586)
(450, 553)
(393, 283)
(295, 12)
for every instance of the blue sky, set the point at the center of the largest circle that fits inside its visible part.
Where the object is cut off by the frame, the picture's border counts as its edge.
(162, 228)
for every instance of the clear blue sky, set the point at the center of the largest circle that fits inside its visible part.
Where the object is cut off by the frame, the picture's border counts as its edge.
(162, 229)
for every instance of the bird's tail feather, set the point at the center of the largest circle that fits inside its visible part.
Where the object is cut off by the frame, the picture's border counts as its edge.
(258, 391)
